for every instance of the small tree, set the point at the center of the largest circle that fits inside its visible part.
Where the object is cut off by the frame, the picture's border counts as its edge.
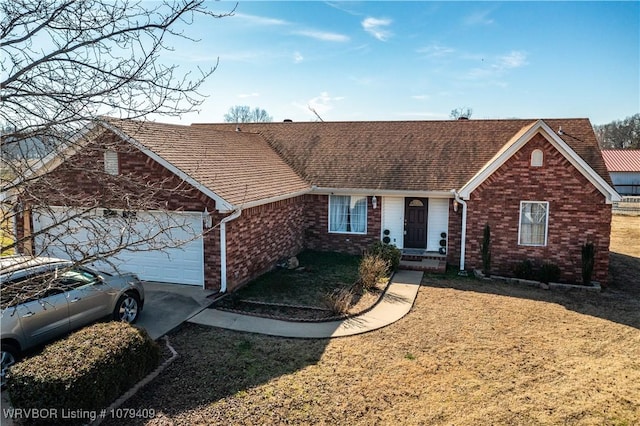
(588, 260)
(461, 113)
(486, 250)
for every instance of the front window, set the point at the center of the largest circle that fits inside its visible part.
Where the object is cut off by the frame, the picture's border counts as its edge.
(348, 214)
(534, 220)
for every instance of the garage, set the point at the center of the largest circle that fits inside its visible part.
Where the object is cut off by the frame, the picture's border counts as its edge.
(160, 246)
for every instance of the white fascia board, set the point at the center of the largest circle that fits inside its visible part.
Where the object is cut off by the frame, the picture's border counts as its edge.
(543, 128)
(380, 192)
(222, 205)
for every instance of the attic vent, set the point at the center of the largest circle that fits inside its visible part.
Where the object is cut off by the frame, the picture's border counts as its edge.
(462, 117)
(288, 120)
(537, 158)
(238, 129)
(111, 162)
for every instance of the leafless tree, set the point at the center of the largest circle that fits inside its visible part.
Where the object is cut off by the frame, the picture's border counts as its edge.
(64, 63)
(461, 113)
(244, 114)
(619, 134)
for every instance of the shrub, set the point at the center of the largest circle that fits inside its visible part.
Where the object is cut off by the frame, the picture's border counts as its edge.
(372, 269)
(339, 300)
(388, 252)
(486, 250)
(549, 272)
(86, 371)
(588, 260)
(524, 270)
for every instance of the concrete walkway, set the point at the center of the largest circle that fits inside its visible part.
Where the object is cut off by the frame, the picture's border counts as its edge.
(395, 303)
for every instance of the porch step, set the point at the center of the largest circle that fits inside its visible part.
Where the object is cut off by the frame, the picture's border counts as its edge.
(427, 265)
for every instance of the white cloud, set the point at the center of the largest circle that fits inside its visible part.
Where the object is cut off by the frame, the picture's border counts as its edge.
(435, 50)
(478, 18)
(499, 66)
(259, 20)
(514, 59)
(420, 97)
(320, 104)
(297, 57)
(323, 35)
(249, 95)
(377, 27)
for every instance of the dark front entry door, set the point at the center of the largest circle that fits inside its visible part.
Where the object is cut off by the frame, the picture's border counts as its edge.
(415, 223)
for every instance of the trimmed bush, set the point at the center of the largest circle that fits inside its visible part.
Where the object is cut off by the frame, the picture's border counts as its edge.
(372, 269)
(388, 252)
(588, 260)
(86, 371)
(549, 272)
(486, 250)
(524, 270)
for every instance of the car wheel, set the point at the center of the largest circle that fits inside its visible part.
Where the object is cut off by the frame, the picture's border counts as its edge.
(128, 308)
(10, 354)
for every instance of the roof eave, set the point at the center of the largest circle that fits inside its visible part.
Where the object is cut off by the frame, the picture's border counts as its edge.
(222, 205)
(515, 144)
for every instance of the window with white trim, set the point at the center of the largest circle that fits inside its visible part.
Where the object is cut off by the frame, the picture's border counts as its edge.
(111, 162)
(348, 214)
(534, 223)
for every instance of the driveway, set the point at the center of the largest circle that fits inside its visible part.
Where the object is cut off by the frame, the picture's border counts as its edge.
(167, 306)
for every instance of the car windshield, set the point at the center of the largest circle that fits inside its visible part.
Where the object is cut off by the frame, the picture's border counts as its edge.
(43, 283)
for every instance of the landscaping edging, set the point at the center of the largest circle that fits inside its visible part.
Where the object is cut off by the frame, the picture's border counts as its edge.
(593, 288)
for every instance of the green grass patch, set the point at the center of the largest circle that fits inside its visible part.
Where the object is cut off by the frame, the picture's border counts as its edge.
(319, 274)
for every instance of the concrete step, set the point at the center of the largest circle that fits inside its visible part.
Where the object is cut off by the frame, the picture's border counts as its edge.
(427, 265)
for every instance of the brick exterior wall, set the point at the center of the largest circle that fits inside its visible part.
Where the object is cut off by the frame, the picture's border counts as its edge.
(142, 184)
(577, 213)
(261, 237)
(319, 238)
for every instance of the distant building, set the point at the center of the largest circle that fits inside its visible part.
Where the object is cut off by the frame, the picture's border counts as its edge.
(624, 168)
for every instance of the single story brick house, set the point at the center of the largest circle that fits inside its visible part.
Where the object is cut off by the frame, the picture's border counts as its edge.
(256, 193)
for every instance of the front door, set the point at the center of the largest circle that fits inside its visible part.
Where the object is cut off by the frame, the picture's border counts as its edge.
(415, 223)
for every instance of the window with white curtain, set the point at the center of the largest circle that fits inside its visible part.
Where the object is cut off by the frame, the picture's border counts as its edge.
(348, 214)
(534, 221)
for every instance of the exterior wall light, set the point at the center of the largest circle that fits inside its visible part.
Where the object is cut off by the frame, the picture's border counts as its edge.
(374, 202)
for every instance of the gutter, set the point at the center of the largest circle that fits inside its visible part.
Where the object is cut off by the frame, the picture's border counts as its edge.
(463, 233)
(223, 248)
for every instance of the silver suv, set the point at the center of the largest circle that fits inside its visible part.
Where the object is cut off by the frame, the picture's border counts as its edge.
(43, 298)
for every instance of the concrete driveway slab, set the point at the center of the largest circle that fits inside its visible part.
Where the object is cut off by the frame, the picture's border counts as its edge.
(167, 306)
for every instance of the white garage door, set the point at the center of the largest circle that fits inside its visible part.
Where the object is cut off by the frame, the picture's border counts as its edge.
(160, 246)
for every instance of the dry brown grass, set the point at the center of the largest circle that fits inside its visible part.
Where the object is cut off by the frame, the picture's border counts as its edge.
(470, 352)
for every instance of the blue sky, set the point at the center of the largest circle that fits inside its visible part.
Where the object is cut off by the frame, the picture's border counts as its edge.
(419, 60)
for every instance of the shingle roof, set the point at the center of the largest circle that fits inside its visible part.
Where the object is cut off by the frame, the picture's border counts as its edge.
(405, 155)
(240, 167)
(622, 160)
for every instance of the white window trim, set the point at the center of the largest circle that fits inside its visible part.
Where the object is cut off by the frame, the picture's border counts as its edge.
(366, 215)
(546, 224)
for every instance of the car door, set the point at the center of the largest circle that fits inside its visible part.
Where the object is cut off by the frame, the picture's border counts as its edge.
(88, 296)
(44, 318)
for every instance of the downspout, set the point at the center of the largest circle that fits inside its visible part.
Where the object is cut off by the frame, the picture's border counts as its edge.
(223, 248)
(463, 233)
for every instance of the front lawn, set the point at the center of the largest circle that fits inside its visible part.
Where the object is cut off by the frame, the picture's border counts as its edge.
(469, 352)
(318, 274)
